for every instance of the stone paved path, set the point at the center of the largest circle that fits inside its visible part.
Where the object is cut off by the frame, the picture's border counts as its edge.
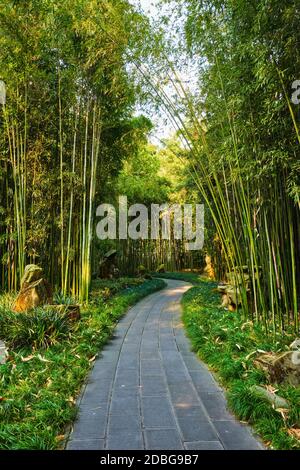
(149, 391)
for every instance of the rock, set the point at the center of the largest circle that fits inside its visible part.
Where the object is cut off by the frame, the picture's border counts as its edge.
(3, 353)
(222, 290)
(115, 272)
(225, 301)
(233, 290)
(281, 368)
(31, 274)
(295, 345)
(35, 290)
(209, 268)
(142, 270)
(240, 278)
(107, 265)
(234, 296)
(231, 298)
(161, 268)
(276, 401)
(295, 358)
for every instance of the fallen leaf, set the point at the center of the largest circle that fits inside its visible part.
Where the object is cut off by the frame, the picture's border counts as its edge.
(26, 359)
(271, 389)
(43, 359)
(92, 358)
(61, 437)
(251, 354)
(283, 411)
(294, 433)
(49, 382)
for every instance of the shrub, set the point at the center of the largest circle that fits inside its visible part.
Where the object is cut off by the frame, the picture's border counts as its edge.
(38, 328)
(61, 299)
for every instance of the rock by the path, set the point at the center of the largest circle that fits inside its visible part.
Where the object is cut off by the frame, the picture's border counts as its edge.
(295, 345)
(35, 290)
(209, 268)
(282, 368)
(236, 286)
(276, 401)
(108, 265)
(161, 268)
(231, 296)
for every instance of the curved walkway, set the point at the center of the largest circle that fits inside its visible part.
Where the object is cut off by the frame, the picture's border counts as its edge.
(149, 391)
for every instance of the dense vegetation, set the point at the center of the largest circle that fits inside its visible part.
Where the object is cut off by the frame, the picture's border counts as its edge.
(88, 63)
(65, 129)
(76, 72)
(242, 135)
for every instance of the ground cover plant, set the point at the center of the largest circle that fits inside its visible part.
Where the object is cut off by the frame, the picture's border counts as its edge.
(49, 359)
(229, 345)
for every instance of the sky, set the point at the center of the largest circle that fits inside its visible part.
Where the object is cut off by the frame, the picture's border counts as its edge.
(163, 125)
(149, 6)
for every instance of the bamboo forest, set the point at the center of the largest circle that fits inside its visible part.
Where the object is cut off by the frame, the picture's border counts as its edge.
(149, 226)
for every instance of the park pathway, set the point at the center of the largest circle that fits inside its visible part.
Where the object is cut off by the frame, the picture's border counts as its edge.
(149, 391)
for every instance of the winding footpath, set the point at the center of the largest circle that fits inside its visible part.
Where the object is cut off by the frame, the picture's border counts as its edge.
(149, 391)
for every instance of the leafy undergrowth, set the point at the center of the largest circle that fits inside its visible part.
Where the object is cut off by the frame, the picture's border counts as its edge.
(192, 277)
(40, 382)
(229, 345)
(103, 289)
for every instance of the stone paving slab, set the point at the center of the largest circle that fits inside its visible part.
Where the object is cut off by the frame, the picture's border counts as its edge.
(148, 390)
(163, 439)
(204, 445)
(91, 444)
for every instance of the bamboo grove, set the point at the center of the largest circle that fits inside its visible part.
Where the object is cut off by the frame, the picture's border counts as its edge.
(242, 136)
(65, 128)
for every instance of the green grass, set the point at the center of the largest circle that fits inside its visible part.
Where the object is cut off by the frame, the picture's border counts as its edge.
(41, 380)
(224, 341)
